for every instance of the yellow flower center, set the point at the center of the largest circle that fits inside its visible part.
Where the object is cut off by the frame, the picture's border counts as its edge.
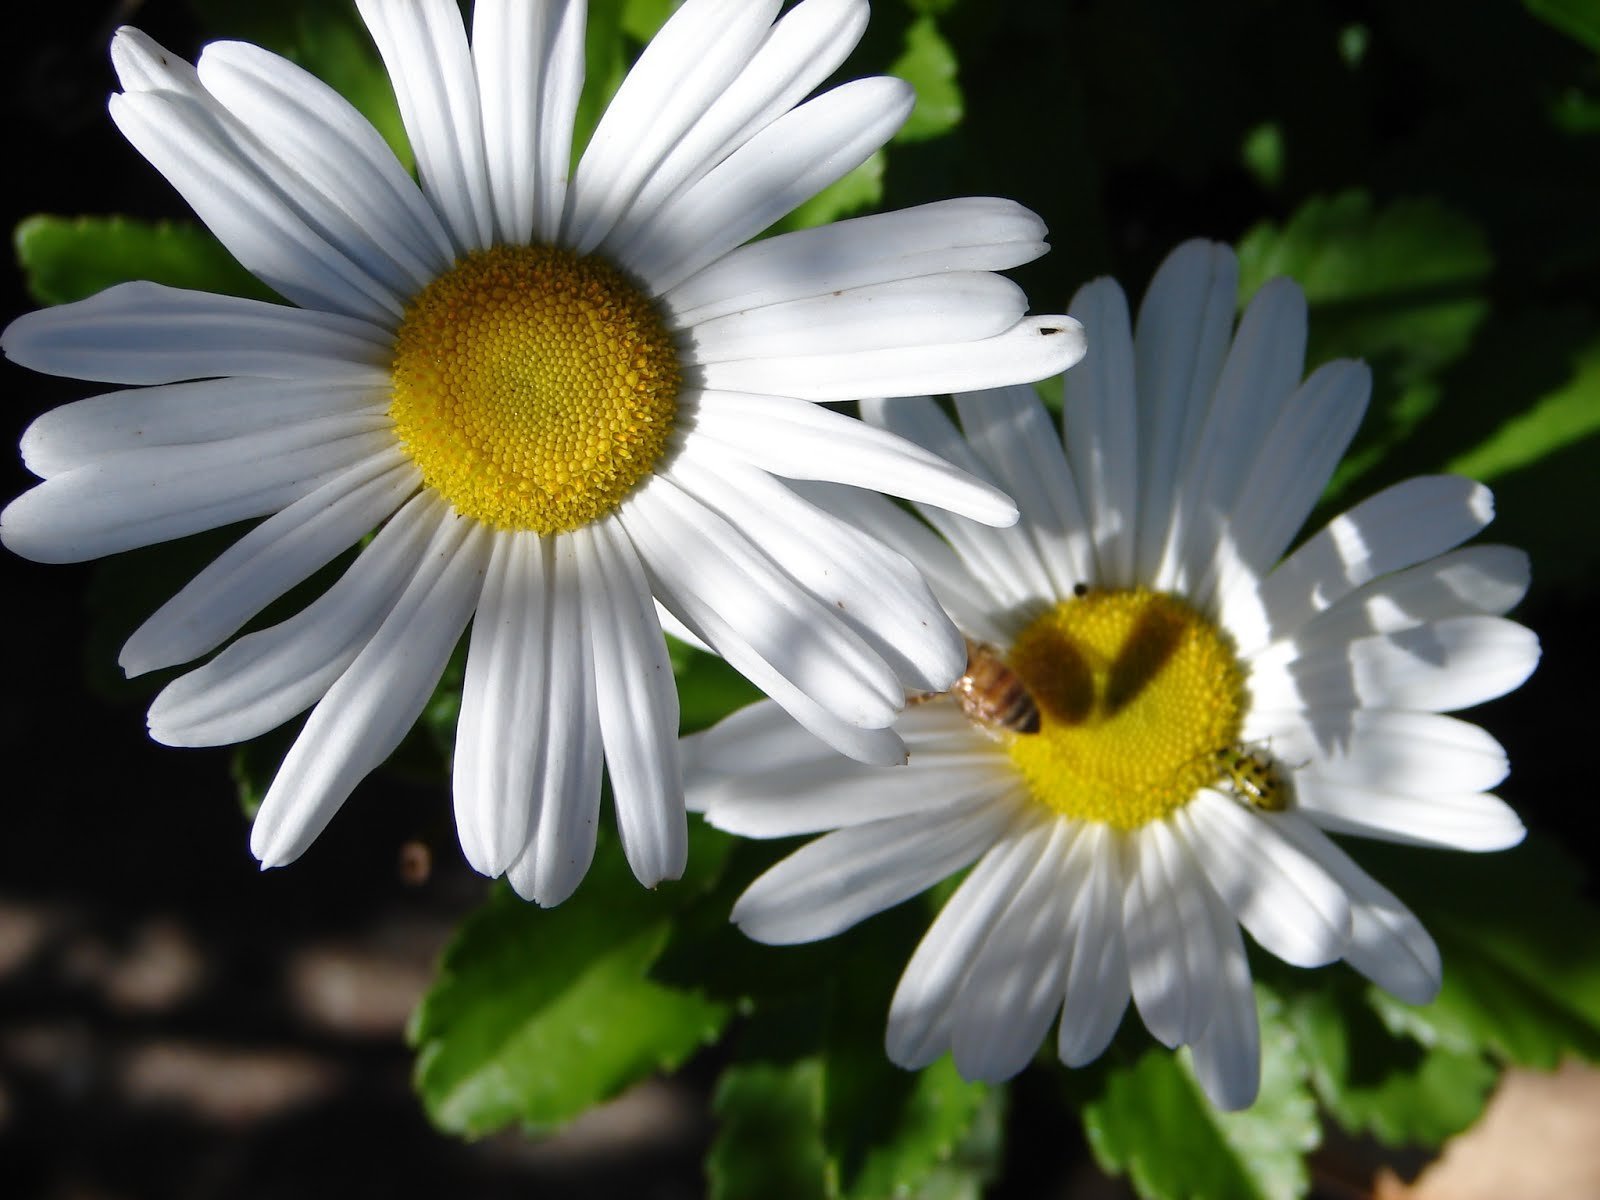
(1137, 694)
(534, 388)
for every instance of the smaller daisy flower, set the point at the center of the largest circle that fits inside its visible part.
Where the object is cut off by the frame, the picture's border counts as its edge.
(1163, 718)
(561, 395)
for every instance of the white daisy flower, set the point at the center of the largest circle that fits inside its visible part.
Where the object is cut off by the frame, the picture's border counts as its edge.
(560, 401)
(1165, 716)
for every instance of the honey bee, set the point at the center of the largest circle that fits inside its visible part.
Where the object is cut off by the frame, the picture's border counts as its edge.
(1255, 777)
(991, 694)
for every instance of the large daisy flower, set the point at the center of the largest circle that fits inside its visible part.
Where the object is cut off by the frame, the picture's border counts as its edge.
(558, 400)
(1164, 717)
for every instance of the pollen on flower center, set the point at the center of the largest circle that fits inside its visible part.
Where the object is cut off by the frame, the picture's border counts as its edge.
(1137, 692)
(533, 387)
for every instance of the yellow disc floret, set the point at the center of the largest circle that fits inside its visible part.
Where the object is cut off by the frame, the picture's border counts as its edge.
(533, 387)
(1136, 693)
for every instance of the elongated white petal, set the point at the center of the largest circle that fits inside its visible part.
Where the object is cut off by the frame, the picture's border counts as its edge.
(830, 884)
(334, 152)
(1182, 335)
(1283, 898)
(277, 554)
(1010, 430)
(956, 306)
(1097, 975)
(182, 414)
(1473, 821)
(971, 234)
(799, 440)
(636, 697)
(1284, 481)
(797, 55)
(266, 677)
(1033, 348)
(1387, 943)
(1014, 988)
(719, 585)
(529, 64)
(424, 47)
(1172, 951)
(1416, 753)
(874, 591)
(1448, 664)
(148, 333)
(1262, 368)
(376, 700)
(786, 163)
(1099, 428)
(505, 694)
(1227, 1056)
(1397, 528)
(561, 844)
(922, 1012)
(148, 496)
(678, 76)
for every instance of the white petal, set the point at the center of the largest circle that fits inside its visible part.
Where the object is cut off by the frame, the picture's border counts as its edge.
(763, 623)
(1283, 898)
(871, 589)
(1010, 430)
(504, 697)
(1097, 974)
(1227, 1056)
(970, 234)
(1454, 663)
(797, 55)
(923, 1009)
(955, 306)
(1417, 753)
(1286, 479)
(844, 877)
(277, 554)
(1397, 528)
(1387, 943)
(637, 701)
(687, 65)
(799, 440)
(181, 414)
(1014, 988)
(1005, 561)
(1033, 348)
(1473, 821)
(561, 846)
(1263, 367)
(336, 156)
(424, 47)
(786, 163)
(148, 496)
(1182, 334)
(267, 677)
(1172, 953)
(529, 63)
(285, 231)
(757, 738)
(1099, 429)
(377, 699)
(148, 333)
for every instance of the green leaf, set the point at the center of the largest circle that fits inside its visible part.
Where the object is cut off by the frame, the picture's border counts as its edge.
(928, 63)
(1373, 1081)
(326, 39)
(1520, 982)
(68, 258)
(538, 1014)
(708, 688)
(1151, 1121)
(855, 192)
(1402, 287)
(1578, 19)
(769, 1143)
